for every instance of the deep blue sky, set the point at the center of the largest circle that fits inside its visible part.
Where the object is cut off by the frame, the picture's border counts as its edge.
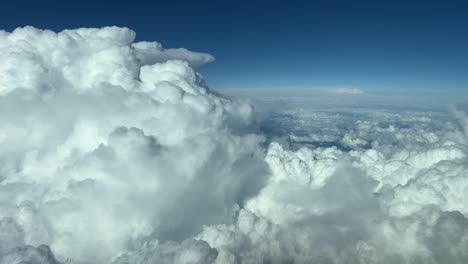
(391, 45)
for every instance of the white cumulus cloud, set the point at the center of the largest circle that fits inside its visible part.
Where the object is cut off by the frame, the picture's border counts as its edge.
(106, 142)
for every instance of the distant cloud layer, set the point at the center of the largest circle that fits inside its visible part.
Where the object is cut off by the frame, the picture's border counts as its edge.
(116, 152)
(347, 91)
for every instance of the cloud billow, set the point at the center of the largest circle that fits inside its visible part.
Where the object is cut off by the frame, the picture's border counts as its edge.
(106, 142)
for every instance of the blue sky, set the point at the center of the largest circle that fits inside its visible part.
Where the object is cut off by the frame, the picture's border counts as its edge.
(370, 45)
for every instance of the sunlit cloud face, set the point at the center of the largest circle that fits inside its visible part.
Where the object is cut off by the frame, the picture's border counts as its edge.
(113, 151)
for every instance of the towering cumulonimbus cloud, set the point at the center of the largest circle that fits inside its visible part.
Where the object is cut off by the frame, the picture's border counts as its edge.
(116, 152)
(105, 142)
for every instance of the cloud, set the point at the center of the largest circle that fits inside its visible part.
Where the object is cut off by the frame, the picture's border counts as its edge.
(116, 152)
(106, 142)
(346, 91)
(326, 205)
